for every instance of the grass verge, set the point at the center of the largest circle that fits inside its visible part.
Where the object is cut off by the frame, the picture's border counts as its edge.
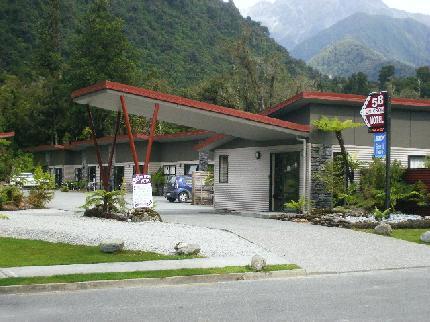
(411, 235)
(74, 278)
(24, 252)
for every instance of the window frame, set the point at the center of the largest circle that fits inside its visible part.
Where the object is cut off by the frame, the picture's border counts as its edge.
(223, 174)
(416, 155)
(170, 168)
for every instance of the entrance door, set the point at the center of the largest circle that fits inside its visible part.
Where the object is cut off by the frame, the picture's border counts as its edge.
(285, 174)
(58, 177)
(118, 176)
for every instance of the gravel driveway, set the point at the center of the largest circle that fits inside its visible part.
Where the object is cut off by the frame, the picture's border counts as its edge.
(317, 248)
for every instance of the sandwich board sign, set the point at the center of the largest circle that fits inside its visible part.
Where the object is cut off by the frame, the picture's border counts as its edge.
(380, 146)
(142, 191)
(373, 112)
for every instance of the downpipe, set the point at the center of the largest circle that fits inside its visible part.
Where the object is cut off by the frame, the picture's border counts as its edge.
(304, 171)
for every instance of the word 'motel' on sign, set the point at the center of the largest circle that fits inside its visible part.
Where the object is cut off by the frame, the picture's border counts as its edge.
(373, 112)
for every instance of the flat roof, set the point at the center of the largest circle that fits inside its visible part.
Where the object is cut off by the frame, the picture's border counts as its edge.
(198, 135)
(187, 112)
(305, 98)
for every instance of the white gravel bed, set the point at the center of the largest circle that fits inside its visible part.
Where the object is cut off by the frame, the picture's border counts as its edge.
(59, 226)
(392, 219)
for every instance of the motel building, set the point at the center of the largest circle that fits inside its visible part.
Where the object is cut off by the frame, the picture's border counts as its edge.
(173, 153)
(261, 160)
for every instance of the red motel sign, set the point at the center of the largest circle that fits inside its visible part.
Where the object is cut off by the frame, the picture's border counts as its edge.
(373, 112)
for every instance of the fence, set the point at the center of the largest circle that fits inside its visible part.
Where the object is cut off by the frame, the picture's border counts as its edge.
(203, 192)
(413, 176)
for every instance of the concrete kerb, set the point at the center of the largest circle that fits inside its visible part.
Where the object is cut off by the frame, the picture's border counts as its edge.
(144, 282)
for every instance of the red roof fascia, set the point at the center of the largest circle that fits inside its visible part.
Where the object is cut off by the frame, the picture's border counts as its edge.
(6, 135)
(46, 147)
(120, 138)
(209, 141)
(107, 85)
(346, 98)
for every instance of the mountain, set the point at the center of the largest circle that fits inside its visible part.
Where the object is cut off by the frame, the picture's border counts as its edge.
(183, 42)
(349, 56)
(293, 21)
(401, 41)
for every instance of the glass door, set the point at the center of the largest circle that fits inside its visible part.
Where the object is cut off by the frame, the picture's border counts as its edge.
(285, 174)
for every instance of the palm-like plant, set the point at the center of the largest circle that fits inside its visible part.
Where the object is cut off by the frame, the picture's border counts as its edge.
(111, 201)
(336, 126)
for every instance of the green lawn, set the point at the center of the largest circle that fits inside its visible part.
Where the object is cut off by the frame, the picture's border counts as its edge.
(130, 275)
(23, 252)
(412, 235)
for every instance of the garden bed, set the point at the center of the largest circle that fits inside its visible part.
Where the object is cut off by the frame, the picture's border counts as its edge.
(361, 221)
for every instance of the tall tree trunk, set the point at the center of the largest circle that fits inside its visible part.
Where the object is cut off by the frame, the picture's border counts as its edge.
(349, 178)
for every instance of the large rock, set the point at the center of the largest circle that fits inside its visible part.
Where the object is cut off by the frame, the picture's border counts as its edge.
(258, 263)
(383, 229)
(111, 246)
(187, 249)
(144, 214)
(425, 237)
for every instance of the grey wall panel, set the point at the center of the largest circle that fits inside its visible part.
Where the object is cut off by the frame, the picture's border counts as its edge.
(179, 151)
(241, 143)
(300, 115)
(57, 158)
(410, 129)
(420, 130)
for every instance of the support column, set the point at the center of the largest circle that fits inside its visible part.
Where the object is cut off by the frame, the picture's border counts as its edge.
(103, 176)
(320, 154)
(151, 138)
(130, 135)
(203, 160)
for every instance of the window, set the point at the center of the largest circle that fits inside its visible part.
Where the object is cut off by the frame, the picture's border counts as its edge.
(169, 170)
(223, 169)
(190, 168)
(140, 167)
(416, 161)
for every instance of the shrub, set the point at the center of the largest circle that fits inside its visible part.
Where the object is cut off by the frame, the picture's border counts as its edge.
(380, 215)
(297, 206)
(108, 201)
(11, 194)
(158, 180)
(3, 217)
(42, 194)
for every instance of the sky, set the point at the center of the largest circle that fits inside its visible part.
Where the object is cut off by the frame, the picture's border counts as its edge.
(419, 6)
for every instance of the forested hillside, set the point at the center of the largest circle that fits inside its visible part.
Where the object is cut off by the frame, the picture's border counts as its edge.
(405, 40)
(202, 49)
(349, 56)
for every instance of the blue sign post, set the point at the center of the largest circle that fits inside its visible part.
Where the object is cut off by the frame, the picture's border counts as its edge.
(380, 145)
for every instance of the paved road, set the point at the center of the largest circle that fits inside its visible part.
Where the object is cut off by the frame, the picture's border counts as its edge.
(374, 296)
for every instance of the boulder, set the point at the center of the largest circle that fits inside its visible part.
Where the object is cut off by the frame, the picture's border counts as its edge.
(111, 246)
(258, 263)
(144, 214)
(383, 229)
(425, 237)
(187, 249)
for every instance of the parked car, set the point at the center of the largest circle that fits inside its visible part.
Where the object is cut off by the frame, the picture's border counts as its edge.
(179, 188)
(24, 179)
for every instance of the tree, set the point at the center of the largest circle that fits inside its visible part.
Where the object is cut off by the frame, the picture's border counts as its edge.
(423, 75)
(336, 126)
(386, 74)
(357, 84)
(100, 51)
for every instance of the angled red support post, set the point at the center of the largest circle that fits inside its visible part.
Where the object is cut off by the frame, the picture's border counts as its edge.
(151, 138)
(105, 179)
(112, 152)
(130, 135)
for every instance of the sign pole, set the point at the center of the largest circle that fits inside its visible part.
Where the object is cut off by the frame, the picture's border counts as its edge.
(387, 113)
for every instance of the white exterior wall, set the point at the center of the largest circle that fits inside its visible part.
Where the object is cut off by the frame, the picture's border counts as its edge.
(364, 154)
(248, 178)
